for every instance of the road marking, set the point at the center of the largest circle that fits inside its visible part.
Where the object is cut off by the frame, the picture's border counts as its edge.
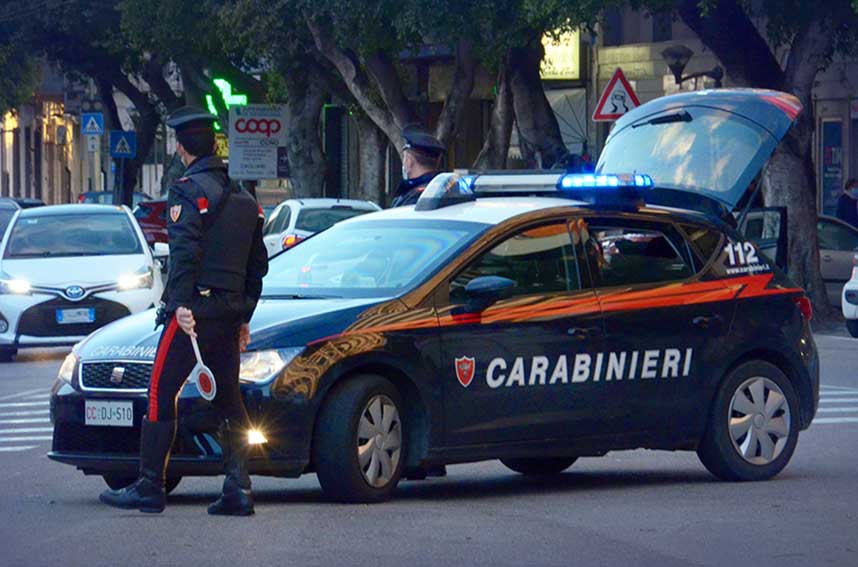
(31, 412)
(23, 394)
(827, 401)
(10, 421)
(26, 430)
(16, 449)
(829, 386)
(838, 410)
(823, 420)
(22, 404)
(17, 439)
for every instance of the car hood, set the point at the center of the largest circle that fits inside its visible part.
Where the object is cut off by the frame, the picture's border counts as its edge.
(276, 323)
(709, 144)
(73, 270)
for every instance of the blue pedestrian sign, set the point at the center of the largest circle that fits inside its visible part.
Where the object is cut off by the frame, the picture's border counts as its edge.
(92, 123)
(123, 144)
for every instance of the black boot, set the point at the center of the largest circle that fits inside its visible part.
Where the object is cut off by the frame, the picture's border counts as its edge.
(147, 493)
(236, 500)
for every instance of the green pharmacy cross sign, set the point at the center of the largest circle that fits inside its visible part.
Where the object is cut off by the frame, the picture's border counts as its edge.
(229, 98)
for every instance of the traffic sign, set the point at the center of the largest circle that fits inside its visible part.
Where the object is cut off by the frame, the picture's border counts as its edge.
(92, 144)
(617, 99)
(93, 123)
(123, 144)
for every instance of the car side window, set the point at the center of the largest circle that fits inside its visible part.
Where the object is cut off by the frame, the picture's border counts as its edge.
(539, 259)
(707, 240)
(628, 255)
(834, 236)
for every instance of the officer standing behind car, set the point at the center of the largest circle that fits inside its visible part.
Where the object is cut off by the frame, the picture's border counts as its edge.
(847, 204)
(421, 159)
(217, 261)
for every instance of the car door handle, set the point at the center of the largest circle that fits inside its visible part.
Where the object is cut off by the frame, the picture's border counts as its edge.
(582, 333)
(827, 258)
(705, 322)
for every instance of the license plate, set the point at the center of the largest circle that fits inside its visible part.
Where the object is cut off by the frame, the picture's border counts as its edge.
(71, 316)
(112, 414)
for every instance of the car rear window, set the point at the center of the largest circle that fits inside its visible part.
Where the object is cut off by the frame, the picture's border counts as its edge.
(317, 220)
(72, 235)
(706, 240)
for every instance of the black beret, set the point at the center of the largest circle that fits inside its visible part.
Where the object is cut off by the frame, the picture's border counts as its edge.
(188, 116)
(421, 140)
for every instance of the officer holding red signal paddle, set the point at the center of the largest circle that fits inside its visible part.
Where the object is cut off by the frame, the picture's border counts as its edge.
(217, 261)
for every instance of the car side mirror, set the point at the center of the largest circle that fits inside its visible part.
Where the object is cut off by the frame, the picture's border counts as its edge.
(161, 250)
(483, 291)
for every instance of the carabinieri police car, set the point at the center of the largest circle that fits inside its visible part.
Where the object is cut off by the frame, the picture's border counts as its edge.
(528, 317)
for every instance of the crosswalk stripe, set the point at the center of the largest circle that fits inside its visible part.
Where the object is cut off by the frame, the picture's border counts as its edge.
(18, 448)
(837, 394)
(26, 430)
(23, 404)
(33, 420)
(838, 400)
(21, 413)
(23, 394)
(19, 439)
(853, 409)
(824, 420)
(830, 387)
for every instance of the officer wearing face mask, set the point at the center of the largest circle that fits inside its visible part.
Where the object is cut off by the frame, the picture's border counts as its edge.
(421, 161)
(847, 204)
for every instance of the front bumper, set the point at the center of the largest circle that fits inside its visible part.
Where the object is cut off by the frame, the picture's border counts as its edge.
(196, 451)
(849, 309)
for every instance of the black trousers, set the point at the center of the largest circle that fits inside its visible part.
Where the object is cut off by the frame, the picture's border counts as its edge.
(218, 342)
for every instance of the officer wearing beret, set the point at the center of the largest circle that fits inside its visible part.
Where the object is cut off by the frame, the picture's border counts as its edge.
(421, 160)
(217, 261)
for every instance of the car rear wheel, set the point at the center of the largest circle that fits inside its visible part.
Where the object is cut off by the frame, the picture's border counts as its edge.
(753, 425)
(539, 466)
(359, 442)
(852, 327)
(116, 482)
(7, 354)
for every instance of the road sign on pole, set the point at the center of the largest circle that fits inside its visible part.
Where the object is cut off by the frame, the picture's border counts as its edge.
(93, 123)
(92, 143)
(123, 144)
(617, 99)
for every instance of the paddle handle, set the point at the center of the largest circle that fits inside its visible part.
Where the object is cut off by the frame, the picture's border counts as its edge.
(196, 350)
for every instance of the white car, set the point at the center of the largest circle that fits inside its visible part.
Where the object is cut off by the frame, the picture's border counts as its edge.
(294, 220)
(849, 300)
(67, 270)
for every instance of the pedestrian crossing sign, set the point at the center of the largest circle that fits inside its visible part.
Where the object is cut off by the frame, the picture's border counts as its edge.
(123, 144)
(93, 123)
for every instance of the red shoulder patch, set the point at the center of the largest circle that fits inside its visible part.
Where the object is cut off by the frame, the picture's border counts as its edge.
(183, 179)
(203, 205)
(261, 212)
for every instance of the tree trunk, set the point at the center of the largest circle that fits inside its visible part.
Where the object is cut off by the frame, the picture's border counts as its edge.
(373, 146)
(307, 96)
(493, 154)
(538, 130)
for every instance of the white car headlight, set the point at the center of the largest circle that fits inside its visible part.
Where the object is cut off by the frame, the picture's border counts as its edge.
(263, 365)
(67, 369)
(17, 286)
(137, 280)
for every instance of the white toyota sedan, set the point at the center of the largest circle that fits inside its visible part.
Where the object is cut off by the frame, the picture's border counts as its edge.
(67, 270)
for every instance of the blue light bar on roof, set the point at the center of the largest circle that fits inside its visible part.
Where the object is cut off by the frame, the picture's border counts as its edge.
(604, 181)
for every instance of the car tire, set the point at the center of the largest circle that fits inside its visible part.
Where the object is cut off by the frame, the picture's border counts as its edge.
(852, 327)
(117, 481)
(755, 402)
(7, 354)
(359, 442)
(543, 466)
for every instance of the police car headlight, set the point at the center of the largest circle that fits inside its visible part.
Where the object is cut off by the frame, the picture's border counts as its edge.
(137, 280)
(67, 369)
(263, 365)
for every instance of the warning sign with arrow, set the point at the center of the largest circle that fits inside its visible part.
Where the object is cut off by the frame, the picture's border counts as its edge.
(93, 123)
(123, 144)
(617, 99)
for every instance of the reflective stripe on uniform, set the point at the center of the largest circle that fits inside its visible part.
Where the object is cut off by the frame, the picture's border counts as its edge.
(163, 349)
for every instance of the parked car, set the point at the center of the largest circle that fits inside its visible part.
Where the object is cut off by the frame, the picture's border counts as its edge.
(66, 270)
(106, 197)
(294, 220)
(152, 217)
(23, 202)
(8, 208)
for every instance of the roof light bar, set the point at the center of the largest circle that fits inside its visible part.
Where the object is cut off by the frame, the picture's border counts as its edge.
(604, 181)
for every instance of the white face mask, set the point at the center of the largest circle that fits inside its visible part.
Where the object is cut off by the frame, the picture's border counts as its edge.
(404, 172)
(853, 192)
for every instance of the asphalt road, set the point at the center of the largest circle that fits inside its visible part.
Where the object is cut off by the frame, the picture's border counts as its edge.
(632, 508)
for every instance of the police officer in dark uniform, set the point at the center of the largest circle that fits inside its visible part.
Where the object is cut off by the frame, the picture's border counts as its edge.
(217, 261)
(421, 160)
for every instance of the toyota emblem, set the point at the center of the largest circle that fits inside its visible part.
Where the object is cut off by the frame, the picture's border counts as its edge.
(74, 292)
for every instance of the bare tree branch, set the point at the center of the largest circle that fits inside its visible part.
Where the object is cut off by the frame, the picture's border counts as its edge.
(386, 79)
(493, 154)
(459, 93)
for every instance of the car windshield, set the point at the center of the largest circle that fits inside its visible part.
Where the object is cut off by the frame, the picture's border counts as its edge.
(72, 235)
(317, 220)
(5, 216)
(367, 259)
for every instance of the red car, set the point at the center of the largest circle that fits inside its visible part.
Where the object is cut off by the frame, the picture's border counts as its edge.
(152, 216)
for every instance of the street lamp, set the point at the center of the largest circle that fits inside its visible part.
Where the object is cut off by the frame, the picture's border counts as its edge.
(677, 57)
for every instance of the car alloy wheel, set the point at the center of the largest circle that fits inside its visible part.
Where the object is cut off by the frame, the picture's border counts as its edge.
(379, 440)
(759, 420)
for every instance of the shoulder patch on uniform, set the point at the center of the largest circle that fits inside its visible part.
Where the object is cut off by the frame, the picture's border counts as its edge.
(183, 179)
(261, 212)
(175, 212)
(203, 205)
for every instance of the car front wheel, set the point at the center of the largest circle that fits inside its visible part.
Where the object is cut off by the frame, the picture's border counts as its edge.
(7, 354)
(852, 327)
(753, 425)
(359, 442)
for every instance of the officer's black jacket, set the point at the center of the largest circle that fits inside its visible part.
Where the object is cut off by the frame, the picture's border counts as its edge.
(214, 244)
(409, 190)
